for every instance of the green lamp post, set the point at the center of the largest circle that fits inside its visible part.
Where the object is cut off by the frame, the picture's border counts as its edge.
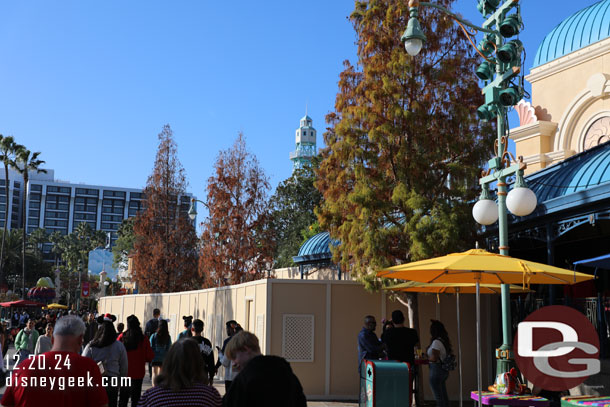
(498, 74)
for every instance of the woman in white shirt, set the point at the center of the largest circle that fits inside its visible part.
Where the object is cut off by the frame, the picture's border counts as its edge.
(437, 352)
(44, 341)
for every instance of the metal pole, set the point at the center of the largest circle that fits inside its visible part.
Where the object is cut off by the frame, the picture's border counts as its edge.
(504, 360)
(479, 382)
(459, 338)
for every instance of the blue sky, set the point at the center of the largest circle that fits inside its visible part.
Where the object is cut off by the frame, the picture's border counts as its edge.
(90, 83)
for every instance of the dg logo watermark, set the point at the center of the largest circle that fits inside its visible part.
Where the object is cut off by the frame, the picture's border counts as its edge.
(557, 348)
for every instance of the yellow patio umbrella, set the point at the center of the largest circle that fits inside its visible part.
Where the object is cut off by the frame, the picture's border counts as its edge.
(455, 288)
(57, 306)
(482, 267)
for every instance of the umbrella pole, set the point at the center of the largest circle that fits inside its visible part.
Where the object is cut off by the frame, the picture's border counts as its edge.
(459, 337)
(479, 385)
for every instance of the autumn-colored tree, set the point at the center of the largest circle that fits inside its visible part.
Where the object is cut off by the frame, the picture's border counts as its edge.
(165, 256)
(404, 146)
(236, 243)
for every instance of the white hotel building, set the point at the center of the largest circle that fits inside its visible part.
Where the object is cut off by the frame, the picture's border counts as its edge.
(60, 206)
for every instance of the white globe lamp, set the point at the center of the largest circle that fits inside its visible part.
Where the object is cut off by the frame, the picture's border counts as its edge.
(521, 201)
(485, 212)
(413, 46)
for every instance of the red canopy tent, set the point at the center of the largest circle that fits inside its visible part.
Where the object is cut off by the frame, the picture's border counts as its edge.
(21, 303)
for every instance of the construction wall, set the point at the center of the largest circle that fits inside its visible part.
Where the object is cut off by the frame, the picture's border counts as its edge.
(213, 306)
(315, 324)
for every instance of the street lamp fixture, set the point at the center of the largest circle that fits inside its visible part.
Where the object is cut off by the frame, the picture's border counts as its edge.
(192, 211)
(521, 200)
(485, 211)
(413, 37)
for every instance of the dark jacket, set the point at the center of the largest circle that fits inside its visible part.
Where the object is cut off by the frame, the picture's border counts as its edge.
(266, 381)
(369, 346)
(400, 343)
(151, 327)
(90, 331)
(207, 352)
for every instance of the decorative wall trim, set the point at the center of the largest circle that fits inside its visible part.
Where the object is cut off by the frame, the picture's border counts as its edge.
(535, 159)
(568, 61)
(571, 116)
(526, 112)
(591, 136)
(538, 128)
(558, 155)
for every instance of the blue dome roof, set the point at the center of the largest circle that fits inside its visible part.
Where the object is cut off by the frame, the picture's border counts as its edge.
(317, 244)
(589, 25)
(578, 173)
(316, 248)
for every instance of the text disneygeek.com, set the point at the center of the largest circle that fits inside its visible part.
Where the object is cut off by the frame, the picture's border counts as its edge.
(62, 383)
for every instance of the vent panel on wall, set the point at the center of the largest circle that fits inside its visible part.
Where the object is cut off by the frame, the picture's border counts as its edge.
(298, 338)
(260, 327)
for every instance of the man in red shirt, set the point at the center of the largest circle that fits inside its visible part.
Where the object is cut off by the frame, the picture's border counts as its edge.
(60, 377)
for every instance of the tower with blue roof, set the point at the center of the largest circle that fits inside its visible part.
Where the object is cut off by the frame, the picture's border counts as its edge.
(305, 148)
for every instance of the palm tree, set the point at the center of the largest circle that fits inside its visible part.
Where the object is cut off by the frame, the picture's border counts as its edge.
(25, 162)
(36, 240)
(8, 148)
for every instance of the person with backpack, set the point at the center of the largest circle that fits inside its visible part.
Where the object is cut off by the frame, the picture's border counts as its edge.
(25, 342)
(160, 342)
(206, 349)
(441, 360)
(188, 321)
(139, 353)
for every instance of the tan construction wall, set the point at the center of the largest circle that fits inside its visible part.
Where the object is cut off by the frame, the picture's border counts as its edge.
(244, 303)
(338, 309)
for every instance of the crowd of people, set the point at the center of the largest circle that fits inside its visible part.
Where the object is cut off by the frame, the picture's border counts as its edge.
(399, 343)
(67, 347)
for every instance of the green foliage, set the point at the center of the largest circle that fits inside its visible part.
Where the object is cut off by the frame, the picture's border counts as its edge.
(310, 231)
(404, 146)
(124, 244)
(74, 248)
(25, 162)
(12, 258)
(8, 149)
(292, 212)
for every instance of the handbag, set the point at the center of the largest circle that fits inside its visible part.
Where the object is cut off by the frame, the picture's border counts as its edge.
(449, 363)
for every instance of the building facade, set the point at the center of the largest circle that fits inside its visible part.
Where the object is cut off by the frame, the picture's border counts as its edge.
(60, 206)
